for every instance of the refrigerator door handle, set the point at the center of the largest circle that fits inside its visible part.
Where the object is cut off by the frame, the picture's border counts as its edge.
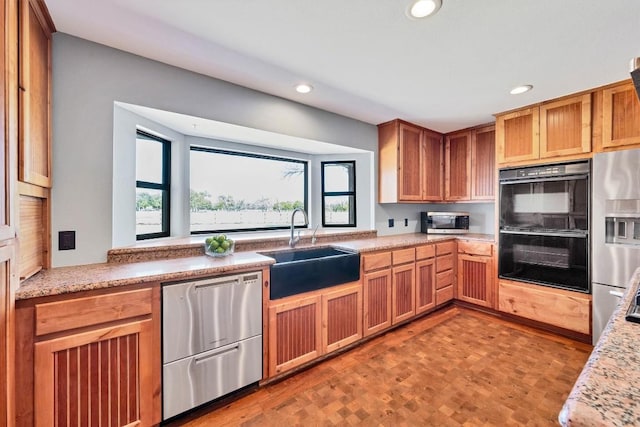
(616, 294)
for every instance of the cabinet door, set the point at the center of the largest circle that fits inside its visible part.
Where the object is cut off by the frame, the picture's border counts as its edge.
(341, 317)
(377, 301)
(475, 280)
(620, 116)
(8, 286)
(425, 285)
(101, 377)
(483, 163)
(565, 127)
(517, 135)
(457, 166)
(34, 232)
(410, 170)
(294, 333)
(403, 295)
(432, 166)
(34, 151)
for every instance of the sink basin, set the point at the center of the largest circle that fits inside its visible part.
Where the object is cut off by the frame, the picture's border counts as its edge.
(303, 270)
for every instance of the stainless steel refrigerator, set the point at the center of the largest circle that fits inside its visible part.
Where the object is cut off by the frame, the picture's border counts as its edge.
(615, 230)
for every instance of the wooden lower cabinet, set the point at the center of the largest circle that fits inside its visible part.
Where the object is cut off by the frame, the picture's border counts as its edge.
(403, 296)
(556, 307)
(341, 317)
(90, 360)
(425, 285)
(377, 301)
(294, 332)
(306, 326)
(100, 377)
(475, 275)
(445, 272)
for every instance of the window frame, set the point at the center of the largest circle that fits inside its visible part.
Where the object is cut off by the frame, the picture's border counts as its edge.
(305, 163)
(324, 194)
(164, 186)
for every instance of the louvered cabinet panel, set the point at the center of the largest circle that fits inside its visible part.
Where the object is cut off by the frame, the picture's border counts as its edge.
(425, 285)
(102, 377)
(33, 234)
(377, 301)
(457, 166)
(294, 333)
(403, 293)
(410, 171)
(475, 280)
(565, 127)
(620, 116)
(517, 135)
(342, 317)
(34, 153)
(483, 163)
(432, 166)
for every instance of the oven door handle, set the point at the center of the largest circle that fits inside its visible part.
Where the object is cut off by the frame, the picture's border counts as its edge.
(581, 235)
(545, 179)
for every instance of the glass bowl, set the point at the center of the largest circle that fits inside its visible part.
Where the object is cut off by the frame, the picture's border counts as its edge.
(216, 253)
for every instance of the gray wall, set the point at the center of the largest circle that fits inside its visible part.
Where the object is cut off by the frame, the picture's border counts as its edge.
(88, 78)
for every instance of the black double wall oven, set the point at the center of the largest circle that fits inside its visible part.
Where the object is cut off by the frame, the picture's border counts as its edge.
(544, 225)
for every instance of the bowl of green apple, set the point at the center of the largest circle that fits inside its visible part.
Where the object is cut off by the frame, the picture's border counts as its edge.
(218, 246)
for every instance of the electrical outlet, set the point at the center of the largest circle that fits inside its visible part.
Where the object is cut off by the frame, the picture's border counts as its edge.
(66, 240)
(390, 222)
(406, 222)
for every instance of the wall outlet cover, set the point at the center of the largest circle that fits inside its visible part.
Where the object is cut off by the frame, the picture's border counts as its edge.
(390, 222)
(66, 240)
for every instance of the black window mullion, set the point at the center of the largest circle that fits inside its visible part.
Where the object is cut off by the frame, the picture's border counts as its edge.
(351, 184)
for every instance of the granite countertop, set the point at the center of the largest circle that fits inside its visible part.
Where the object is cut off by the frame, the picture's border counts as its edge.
(607, 392)
(135, 267)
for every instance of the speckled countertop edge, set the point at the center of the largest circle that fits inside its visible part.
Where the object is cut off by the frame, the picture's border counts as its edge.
(607, 392)
(64, 280)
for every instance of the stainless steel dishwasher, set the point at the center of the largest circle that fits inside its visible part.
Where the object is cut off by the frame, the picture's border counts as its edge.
(212, 339)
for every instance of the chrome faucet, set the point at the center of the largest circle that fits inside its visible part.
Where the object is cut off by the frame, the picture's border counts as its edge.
(293, 240)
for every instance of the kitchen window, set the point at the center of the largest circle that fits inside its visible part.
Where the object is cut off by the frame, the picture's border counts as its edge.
(153, 160)
(339, 194)
(236, 191)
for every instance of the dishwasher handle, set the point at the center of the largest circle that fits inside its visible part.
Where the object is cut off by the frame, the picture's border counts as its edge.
(616, 294)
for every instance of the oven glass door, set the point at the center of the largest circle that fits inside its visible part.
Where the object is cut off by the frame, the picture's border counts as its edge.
(549, 259)
(559, 204)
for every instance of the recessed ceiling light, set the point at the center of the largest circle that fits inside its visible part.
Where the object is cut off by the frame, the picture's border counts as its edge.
(424, 8)
(304, 88)
(520, 89)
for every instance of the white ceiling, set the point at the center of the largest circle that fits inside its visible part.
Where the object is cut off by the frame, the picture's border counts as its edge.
(367, 60)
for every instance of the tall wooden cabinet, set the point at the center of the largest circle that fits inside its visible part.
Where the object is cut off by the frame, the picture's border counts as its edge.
(8, 177)
(409, 163)
(34, 135)
(483, 163)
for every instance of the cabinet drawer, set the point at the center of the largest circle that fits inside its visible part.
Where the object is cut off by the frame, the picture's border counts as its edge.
(423, 252)
(444, 263)
(475, 248)
(376, 261)
(444, 279)
(403, 256)
(445, 248)
(78, 312)
(443, 295)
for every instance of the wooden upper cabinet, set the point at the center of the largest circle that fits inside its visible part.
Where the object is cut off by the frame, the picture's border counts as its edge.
(620, 116)
(517, 135)
(432, 166)
(409, 163)
(410, 172)
(565, 127)
(34, 148)
(457, 166)
(483, 161)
